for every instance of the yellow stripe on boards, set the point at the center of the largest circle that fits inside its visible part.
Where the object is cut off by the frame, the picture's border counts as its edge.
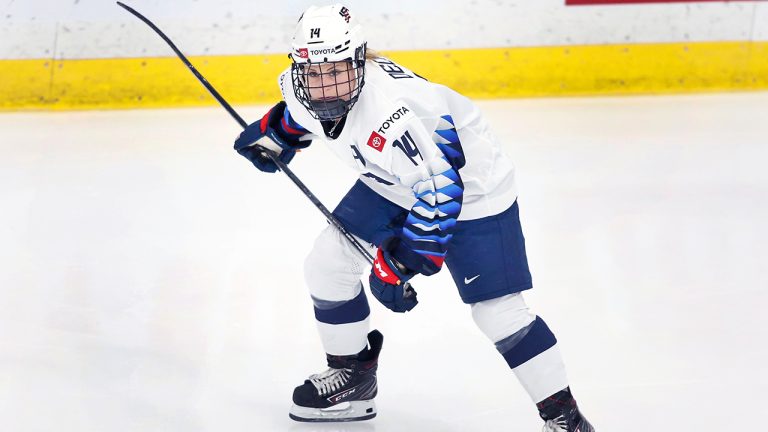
(480, 73)
(136, 83)
(24, 83)
(596, 70)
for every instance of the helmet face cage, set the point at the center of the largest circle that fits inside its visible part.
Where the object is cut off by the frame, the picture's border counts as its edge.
(329, 89)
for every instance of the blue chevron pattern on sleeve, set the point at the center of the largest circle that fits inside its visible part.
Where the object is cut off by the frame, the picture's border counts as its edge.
(429, 226)
(447, 139)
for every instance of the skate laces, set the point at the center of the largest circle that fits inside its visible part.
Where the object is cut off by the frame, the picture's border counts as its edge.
(330, 380)
(560, 424)
(557, 425)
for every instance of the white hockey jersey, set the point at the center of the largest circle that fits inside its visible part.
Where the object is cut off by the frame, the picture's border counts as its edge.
(423, 147)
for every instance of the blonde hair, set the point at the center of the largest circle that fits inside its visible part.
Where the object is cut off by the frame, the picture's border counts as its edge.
(371, 54)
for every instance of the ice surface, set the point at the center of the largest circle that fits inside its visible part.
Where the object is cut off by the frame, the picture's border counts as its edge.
(150, 278)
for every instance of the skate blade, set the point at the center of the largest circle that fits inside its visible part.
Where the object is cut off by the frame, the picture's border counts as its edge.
(343, 412)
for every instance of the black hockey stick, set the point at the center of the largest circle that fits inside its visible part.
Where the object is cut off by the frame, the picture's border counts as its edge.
(283, 167)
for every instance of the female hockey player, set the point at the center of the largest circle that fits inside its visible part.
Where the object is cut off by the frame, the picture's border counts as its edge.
(434, 188)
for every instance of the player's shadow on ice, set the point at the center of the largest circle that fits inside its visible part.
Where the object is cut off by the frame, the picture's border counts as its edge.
(334, 427)
(404, 423)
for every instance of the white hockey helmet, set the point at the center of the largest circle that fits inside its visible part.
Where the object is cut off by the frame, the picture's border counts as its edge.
(328, 53)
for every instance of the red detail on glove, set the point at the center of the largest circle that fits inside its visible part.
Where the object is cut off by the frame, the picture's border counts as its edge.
(265, 121)
(437, 260)
(383, 271)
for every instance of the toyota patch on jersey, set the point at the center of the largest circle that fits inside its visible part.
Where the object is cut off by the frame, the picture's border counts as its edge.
(376, 141)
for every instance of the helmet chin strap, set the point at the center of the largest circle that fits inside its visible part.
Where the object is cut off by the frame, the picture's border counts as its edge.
(329, 109)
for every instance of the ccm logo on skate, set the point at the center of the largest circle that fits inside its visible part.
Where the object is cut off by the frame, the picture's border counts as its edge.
(376, 141)
(339, 397)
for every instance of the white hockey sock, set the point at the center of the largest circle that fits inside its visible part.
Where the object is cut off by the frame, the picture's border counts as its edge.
(543, 375)
(525, 342)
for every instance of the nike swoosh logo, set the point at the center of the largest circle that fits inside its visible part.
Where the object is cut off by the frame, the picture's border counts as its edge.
(469, 281)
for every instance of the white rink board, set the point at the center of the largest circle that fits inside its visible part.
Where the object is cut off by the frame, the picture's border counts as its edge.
(76, 29)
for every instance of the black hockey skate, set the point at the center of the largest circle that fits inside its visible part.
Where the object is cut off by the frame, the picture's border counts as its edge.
(561, 414)
(345, 391)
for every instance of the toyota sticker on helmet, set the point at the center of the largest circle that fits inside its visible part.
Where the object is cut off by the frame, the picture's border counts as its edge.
(323, 51)
(305, 52)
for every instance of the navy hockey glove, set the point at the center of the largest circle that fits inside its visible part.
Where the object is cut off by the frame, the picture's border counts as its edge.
(389, 281)
(262, 135)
